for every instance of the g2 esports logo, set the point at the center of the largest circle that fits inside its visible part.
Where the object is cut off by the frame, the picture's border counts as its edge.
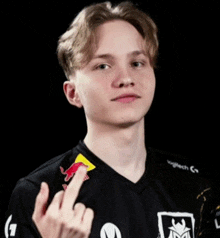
(178, 225)
(10, 229)
(217, 219)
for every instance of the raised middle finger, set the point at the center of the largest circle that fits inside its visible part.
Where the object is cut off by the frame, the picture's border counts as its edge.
(73, 189)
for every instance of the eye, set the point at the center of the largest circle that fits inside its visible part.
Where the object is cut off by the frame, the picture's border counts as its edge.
(137, 64)
(103, 67)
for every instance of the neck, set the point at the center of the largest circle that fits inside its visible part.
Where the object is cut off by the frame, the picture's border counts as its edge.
(122, 148)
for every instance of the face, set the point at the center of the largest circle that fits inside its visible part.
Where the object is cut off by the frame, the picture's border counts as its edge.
(117, 86)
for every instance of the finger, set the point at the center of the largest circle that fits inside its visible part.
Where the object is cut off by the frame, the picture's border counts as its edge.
(85, 225)
(41, 202)
(73, 189)
(87, 220)
(88, 216)
(79, 211)
(57, 201)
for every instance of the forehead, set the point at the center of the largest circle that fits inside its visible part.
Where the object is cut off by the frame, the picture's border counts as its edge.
(118, 37)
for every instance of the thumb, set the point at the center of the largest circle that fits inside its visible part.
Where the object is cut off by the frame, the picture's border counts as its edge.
(41, 202)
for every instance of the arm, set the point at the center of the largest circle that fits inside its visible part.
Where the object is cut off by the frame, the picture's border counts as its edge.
(62, 219)
(18, 223)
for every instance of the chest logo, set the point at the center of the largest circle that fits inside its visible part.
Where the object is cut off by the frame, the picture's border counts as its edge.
(10, 229)
(217, 220)
(176, 225)
(109, 230)
(70, 172)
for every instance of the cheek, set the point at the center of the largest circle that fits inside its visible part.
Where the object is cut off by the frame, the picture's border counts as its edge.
(148, 82)
(153, 85)
(90, 96)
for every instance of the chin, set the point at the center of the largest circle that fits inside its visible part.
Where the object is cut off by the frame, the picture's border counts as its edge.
(129, 122)
(126, 125)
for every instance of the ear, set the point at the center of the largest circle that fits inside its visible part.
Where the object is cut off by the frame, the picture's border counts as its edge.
(72, 96)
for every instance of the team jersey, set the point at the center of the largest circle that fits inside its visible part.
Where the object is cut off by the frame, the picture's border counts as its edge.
(167, 202)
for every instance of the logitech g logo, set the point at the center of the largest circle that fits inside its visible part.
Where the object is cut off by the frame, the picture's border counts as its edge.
(194, 170)
(110, 230)
(183, 167)
(12, 228)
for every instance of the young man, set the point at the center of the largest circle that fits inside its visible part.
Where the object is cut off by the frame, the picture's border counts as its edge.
(111, 185)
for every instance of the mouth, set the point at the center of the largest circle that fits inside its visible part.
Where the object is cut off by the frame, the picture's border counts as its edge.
(126, 98)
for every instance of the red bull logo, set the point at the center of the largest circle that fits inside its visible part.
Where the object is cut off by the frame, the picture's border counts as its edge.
(70, 172)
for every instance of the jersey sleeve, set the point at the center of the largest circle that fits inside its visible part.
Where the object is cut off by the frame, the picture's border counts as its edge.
(19, 222)
(210, 214)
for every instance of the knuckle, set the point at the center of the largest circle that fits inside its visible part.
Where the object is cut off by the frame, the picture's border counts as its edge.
(79, 228)
(85, 231)
(53, 217)
(76, 225)
(68, 226)
(34, 218)
(75, 191)
(80, 206)
(82, 231)
(76, 228)
(57, 196)
(90, 212)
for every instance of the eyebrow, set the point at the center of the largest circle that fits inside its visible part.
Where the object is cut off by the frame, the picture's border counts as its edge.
(138, 52)
(110, 56)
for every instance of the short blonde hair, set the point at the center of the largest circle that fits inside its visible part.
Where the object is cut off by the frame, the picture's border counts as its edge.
(75, 46)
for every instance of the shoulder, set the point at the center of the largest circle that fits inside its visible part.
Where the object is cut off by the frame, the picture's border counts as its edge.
(178, 169)
(23, 195)
(48, 170)
(173, 161)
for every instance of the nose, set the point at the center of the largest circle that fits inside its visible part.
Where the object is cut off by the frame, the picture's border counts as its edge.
(123, 79)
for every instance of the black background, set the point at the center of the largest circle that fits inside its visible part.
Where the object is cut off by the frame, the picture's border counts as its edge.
(184, 117)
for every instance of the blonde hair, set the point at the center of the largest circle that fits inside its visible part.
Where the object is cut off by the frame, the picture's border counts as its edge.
(75, 46)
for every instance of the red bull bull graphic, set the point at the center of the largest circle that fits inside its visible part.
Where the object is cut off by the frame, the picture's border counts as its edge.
(70, 172)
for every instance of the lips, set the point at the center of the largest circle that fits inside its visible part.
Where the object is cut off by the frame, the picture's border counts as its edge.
(126, 98)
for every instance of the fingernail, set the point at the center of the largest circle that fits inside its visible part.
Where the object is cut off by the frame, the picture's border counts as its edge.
(83, 169)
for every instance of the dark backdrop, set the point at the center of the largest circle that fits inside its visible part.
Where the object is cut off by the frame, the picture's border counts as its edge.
(184, 116)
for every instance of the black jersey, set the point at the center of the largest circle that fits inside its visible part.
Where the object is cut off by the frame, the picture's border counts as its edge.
(169, 201)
